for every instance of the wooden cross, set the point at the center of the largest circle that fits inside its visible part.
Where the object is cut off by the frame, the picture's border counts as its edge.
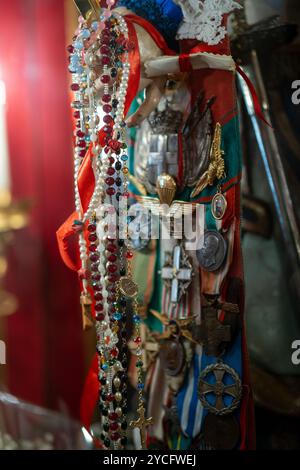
(142, 423)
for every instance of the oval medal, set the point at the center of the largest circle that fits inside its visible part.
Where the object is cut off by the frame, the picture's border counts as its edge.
(218, 206)
(172, 356)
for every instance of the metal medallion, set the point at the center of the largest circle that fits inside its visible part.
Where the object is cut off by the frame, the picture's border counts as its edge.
(218, 381)
(172, 356)
(221, 432)
(213, 252)
(128, 287)
(218, 206)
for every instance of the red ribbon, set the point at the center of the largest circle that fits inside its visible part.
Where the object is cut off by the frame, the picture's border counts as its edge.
(135, 66)
(90, 394)
(255, 99)
(152, 31)
(185, 63)
(65, 236)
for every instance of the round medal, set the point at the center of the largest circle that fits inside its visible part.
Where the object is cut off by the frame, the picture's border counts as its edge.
(221, 432)
(213, 252)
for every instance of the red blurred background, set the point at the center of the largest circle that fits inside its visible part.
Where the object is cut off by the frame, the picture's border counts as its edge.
(45, 350)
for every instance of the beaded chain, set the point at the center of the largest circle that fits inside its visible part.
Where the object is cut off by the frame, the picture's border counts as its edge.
(99, 63)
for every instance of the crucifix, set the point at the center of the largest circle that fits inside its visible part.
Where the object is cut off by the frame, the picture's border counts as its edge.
(177, 273)
(212, 333)
(142, 423)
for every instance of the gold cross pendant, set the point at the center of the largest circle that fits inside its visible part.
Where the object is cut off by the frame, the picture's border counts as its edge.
(142, 423)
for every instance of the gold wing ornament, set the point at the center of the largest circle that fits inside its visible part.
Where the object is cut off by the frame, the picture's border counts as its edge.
(216, 169)
(179, 327)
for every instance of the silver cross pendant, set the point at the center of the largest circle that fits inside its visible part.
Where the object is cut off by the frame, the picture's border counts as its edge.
(177, 273)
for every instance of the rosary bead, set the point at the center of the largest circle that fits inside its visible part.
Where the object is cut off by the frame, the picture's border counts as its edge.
(94, 257)
(106, 442)
(105, 60)
(106, 427)
(92, 228)
(100, 317)
(113, 416)
(124, 441)
(94, 267)
(118, 396)
(112, 268)
(96, 277)
(75, 87)
(103, 380)
(114, 426)
(115, 436)
(110, 191)
(93, 248)
(110, 397)
(117, 316)
(104, 50)
(107, 108)
(99, 306)
(106, 98)
(92, 237)
(96, 287)
(117, 382)
(124, 425)
(122, 271)
(111, 171)
(110, 181)
(113, 73)
(105, 79)
(118, 166)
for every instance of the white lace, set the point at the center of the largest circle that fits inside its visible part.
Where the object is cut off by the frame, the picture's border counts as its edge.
(203, 19)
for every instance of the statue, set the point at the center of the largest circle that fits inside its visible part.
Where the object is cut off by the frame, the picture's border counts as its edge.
(176, 145)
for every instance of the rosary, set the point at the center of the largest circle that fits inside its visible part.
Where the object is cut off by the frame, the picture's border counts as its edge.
(100, 68)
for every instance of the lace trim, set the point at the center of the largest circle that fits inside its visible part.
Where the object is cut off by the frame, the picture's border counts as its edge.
(203, 19)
